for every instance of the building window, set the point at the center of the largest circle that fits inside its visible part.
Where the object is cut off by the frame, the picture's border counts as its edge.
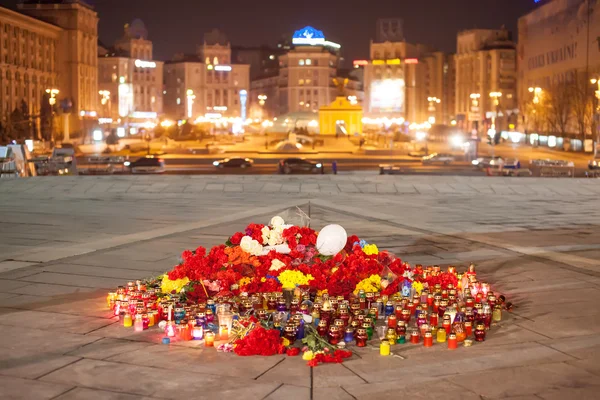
(308, 81)
(308, 61)
(178, 100)
(316, 92)
(301, 82)
(301, 62)
(316, 62)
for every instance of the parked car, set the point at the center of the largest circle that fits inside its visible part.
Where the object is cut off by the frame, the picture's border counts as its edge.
(146, 165)
(234, 163)
(486, 162)
(300, 165)
(440, 158)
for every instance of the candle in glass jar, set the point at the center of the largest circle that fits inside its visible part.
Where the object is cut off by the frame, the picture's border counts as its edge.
(198, 332)
(452, 342)
(209, 339)
(392, 321)
(441, 336)
(361, 337)
(468, 328)
(138, 325)
(127, 321)
(497, 314)
(428, 339)
(480, 333)
(430, 299)
(433, 319)
(223, 332)
(384, 348)
(414, 337)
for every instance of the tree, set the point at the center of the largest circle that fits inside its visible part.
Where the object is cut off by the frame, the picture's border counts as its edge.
(559, 100)
(46, 118)
(20, 123)
(583, 106)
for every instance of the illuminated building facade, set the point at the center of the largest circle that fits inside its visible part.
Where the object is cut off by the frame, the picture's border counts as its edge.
(304, 80)
(129, 81)
(401, 78)
(486, 63)
(559, 53)
(41, 40)
(26, 75)
(207, 84)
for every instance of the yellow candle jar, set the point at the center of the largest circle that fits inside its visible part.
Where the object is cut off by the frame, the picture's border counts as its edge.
(441, 335)
(384, 348)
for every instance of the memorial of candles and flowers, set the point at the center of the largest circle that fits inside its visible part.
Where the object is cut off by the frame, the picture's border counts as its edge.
(288, 289)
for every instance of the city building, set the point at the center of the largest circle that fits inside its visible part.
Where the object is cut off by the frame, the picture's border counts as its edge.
(26, 75)
(406, 82)
(558, 55)
(207, 84)
(130, 82)
(304, 80)
(486, 80)
(263, 60)
(49, 52)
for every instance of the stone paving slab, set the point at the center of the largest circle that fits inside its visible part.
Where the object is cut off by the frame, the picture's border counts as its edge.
(538, 244)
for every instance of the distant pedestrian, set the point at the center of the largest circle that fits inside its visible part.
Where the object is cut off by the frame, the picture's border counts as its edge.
(280, 167)
(334, 167)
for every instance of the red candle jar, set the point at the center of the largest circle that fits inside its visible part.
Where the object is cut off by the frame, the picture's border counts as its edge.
(361, 337)
(444, 294)
(416, 300)
(290, 333)
(433, 319)
(392, 321)
(428, 339)
(480, 333)
(414, 337)
(406, 316)
(401, 328)
(447, 324)
(345, 316)
(398, 312)
(334, 335)
(430, 299)
(436, 306)
(470, 302)
(322, 328)
(469, 328)
(452, 342)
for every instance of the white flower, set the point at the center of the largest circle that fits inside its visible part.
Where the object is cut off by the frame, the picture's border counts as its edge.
(266, 232)
(408, 274)
(276, 265)
(251, 246)
(277, 221)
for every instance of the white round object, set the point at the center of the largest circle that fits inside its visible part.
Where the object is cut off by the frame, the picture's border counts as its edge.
(277, 221)
(331, 240)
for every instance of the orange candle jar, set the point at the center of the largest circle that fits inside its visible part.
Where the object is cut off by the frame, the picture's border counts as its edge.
(209, 339)
(428, 339)
(469, 328)
(414, 337)
(452, 342)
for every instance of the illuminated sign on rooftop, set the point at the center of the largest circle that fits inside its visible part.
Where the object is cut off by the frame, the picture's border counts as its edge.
(310, 36)
(145, 64)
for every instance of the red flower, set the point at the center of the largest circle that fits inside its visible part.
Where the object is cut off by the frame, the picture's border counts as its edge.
(236, 238)
(259, 342)
(292, 351)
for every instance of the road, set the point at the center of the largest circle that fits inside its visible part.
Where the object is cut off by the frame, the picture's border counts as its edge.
(266, 163)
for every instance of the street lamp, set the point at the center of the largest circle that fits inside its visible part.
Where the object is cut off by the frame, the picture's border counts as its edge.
(52, 93)
(496, 98)
(262, 98)
(596, 120)
(190, 102)
(432, 102)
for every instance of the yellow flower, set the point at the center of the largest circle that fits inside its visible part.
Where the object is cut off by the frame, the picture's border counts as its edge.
(370, 249)
(169, 286)
(322, 292)
(371, 284)
(285, 342)
(308, 355)
(244, 281)
(263, 280)
(290, 279)
(418, 286)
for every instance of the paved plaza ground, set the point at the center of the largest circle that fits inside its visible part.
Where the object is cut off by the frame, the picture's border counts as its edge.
(65, 240)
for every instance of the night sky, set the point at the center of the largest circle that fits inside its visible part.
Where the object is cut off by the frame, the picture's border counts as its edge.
(178, 25)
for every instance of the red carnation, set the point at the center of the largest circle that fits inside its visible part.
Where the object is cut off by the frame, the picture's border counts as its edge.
(236, 238)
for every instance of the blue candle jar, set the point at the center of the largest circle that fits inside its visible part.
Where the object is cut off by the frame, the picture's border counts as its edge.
(349, 335)
(179, 314)
(389, 308)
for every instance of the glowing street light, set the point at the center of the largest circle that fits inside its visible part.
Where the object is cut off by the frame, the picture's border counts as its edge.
(52, 93)
(262, 98)
(190, 102)
(496, 96)
(105, 96)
